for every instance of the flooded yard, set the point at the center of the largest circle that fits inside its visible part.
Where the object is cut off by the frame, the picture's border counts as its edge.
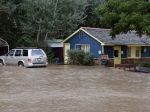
(66, 88)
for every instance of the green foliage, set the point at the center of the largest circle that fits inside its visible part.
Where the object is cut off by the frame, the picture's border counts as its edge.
(126, 15)
(88, 59)
(50, 56)
(80, 57)
(32, 22)
(51, 18)
(38, 20)
(91, 16)
(10, 17)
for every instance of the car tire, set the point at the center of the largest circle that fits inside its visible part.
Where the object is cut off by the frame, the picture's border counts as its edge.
(21, 64)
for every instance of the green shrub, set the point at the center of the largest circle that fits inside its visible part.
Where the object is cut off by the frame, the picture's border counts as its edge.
(88, 59)
(80, 57)
(50, 56)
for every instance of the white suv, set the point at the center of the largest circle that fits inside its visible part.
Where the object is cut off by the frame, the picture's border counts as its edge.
(28, 57)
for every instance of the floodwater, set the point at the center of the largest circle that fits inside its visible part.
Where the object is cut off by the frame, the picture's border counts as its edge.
(64, 88)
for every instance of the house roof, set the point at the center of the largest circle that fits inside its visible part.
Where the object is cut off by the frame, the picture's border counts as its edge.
(130, 38)
(3, 42)
(103, 36)
(55, 43)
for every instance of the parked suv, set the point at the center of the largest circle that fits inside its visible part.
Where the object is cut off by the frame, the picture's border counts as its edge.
(27, 57)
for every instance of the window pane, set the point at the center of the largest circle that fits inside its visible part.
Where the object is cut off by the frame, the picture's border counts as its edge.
(18, 53)
(83, 47)
(11, 53)
(25, 52)
(129, 51)
(87, 48)
(78, 47)
(37, 53)
(137, 52)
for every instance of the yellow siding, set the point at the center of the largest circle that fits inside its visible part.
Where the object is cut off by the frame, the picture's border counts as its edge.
(66, 49)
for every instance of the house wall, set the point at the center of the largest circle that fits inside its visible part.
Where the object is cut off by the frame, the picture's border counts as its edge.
(83, 38)
(145, 51)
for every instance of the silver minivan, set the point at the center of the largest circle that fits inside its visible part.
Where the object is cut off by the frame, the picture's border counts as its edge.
(28, 57)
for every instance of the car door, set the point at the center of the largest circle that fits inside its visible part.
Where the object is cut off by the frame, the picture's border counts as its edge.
(17, 56)
(9, 57)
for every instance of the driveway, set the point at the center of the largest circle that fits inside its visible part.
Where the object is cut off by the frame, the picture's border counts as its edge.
(73, 89)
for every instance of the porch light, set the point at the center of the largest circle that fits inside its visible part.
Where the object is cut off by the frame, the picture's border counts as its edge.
(99, 52)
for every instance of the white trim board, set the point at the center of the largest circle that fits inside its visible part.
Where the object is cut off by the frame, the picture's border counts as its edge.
(71, 35)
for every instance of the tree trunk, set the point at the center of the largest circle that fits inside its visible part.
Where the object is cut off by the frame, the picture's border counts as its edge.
(46, 37)
(45, 40)
(38, 35)
(55, 8)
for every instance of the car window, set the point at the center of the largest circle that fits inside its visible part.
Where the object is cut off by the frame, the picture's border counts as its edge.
(25, 52)
(11, 53)
(37, 52)
(18, 53)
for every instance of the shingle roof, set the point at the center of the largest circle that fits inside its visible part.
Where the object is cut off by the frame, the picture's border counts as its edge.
(3, 43)
(131, 38)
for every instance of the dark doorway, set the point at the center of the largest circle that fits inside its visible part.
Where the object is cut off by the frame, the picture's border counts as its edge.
(3, 50)
(58, 52)
(4, 47)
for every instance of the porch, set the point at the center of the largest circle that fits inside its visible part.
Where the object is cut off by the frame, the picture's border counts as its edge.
(127, 54)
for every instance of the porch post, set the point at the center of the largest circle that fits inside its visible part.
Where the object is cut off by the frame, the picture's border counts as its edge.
(102, 49)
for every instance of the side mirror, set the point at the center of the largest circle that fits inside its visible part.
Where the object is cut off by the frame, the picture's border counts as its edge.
(6, 55)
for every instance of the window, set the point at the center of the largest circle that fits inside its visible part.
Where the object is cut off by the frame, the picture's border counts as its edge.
(137, 52)
(129, 51)
(11, 53)
(134, 51)
(37, 53)
(83, 47)
(18, 53)
(25, 52)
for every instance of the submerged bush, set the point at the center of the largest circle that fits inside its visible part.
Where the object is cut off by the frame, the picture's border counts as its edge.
(145, 64)
(88, 59)
(80, 57)
(50, 56)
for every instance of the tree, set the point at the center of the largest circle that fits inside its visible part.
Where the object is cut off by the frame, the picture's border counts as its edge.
(91, 17)
(31, 22)
(51, 18)
(10, 28)
(126, 15)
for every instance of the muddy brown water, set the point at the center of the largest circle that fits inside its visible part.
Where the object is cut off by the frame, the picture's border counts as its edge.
(66, 88)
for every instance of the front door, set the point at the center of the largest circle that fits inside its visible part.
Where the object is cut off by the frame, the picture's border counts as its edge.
(117, 55)
(66, 49)
(10, 57)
